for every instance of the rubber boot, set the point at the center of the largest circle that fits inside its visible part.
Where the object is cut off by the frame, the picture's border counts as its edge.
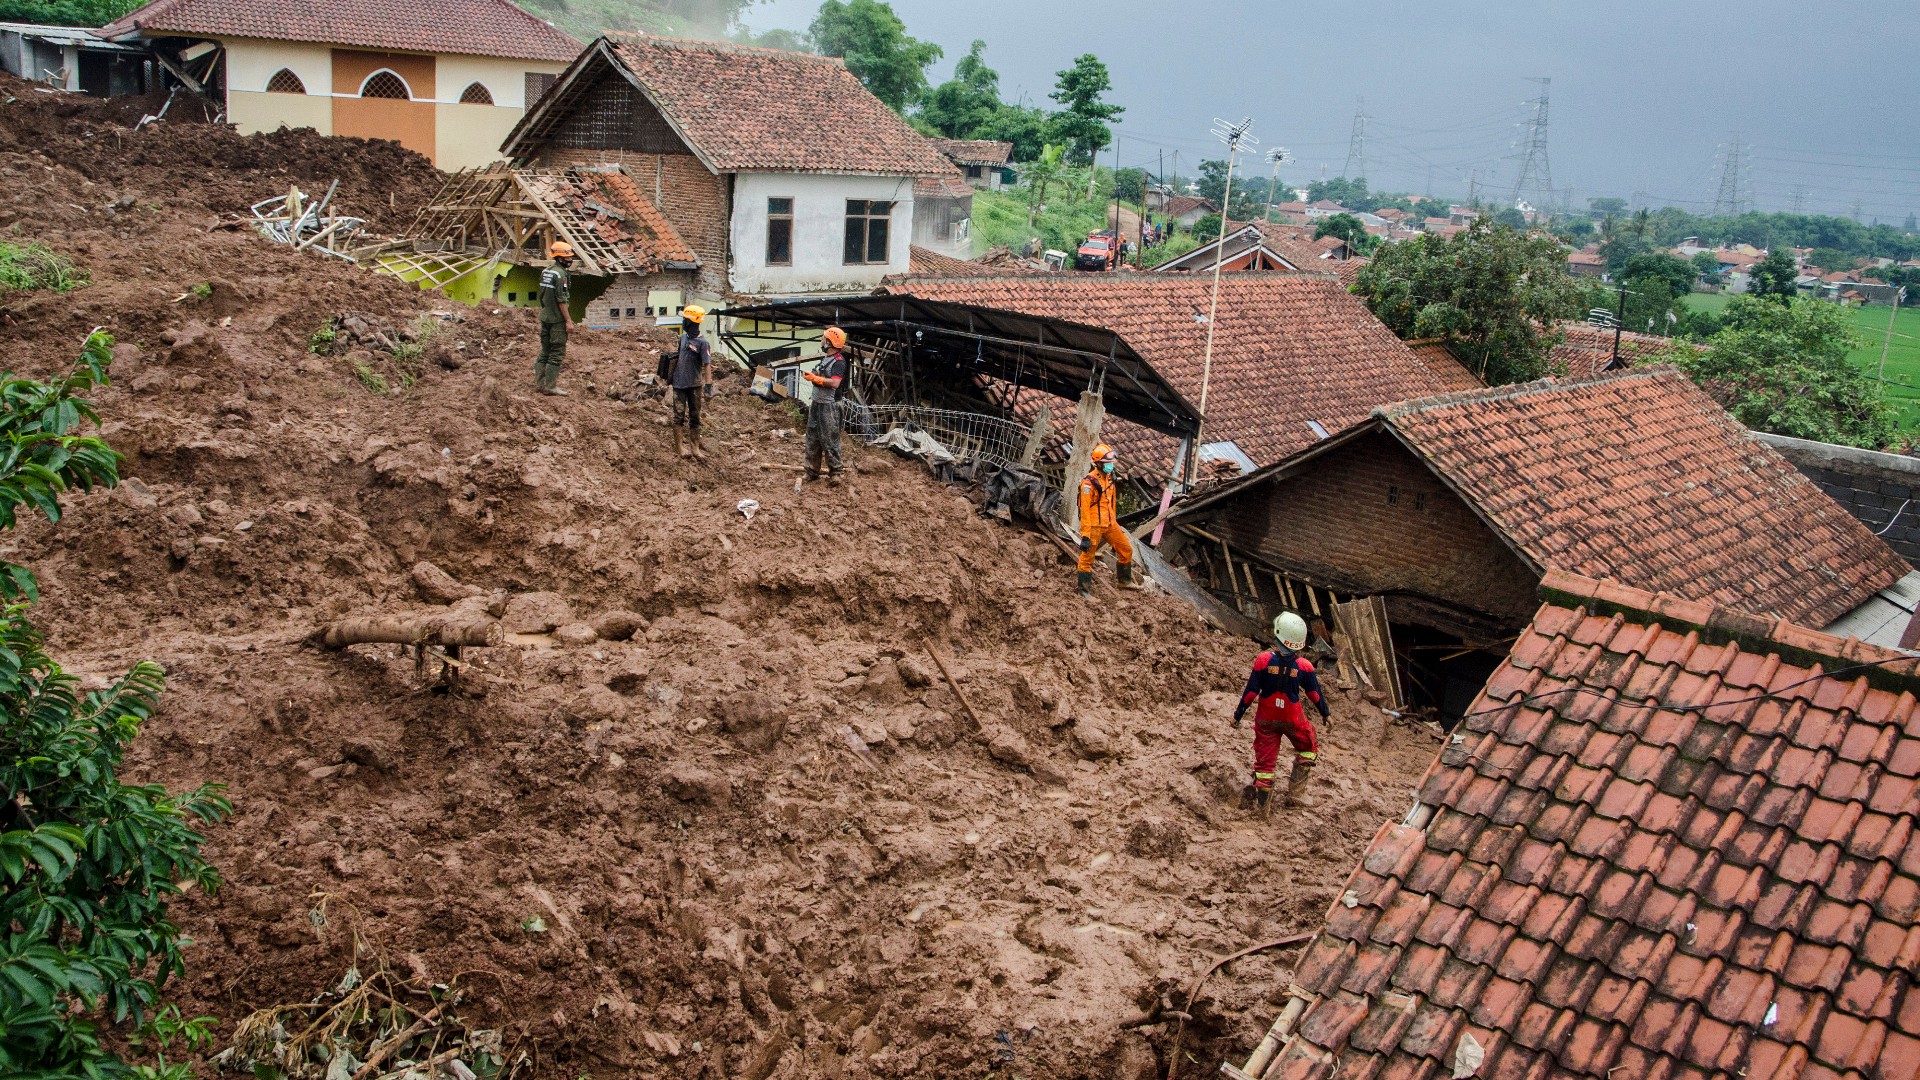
(680, 442)
(1086, 583)
(1124, 571)
(1297, 782)
(699, 448)
(1262, 799)
(833, 478)
(813, 467)
(1247, 796)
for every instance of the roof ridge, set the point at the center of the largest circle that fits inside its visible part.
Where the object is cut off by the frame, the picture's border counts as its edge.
(640, 38)
(1513, 391)
(1749, 629)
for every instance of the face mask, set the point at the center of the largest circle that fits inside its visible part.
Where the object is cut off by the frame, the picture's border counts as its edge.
(1107, 467)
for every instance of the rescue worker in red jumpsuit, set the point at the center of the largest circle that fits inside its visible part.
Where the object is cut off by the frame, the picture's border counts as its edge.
(1279, 688)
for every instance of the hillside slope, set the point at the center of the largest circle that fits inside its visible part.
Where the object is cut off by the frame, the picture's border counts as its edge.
(682, 811)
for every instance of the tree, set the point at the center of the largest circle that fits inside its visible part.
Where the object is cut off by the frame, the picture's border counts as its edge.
(1130, 185)
(1348, 228)
(87, 863)
(1621, 238)
(965, 104)
(1774, 276)
(1705, 264)
(1490, 291)
(1827, 258)
(1249, 193)
(1657, 287)
(1783, 367)
(1348, 193)
(874, 43)
(1511, 217)
(1041, 172)
(1607, 206)
(1082, 120)
(1022, 125)
(1207, 229)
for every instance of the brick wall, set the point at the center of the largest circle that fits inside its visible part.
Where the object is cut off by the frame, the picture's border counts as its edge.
(1881, 490)
(694, 200)
(1370, 517)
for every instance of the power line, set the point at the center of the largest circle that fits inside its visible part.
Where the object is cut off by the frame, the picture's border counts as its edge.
(1728, 200)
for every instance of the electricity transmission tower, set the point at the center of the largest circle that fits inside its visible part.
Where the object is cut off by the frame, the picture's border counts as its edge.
(1731, 198)
(1536, 175)
(1357, 143)
(1800, 199)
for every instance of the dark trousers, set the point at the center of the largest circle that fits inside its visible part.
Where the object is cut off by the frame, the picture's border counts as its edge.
(823, 436)
(553, 349)
(686, 406)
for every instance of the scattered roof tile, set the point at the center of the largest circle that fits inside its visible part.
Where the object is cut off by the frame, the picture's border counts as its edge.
(1601, 971)
(1288, 348)
(1639, 476)
(976, 151)
(618, 213)
(462, 27)
(924, 262)
(942, 187)
(746, 109)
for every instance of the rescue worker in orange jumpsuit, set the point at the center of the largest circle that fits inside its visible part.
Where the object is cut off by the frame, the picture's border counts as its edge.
(1282, 683)
(1100, 520)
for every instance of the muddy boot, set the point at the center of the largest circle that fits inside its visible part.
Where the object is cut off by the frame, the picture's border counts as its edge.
(1297, 783)
(699, 448)
(1247, 795)
(1124, 572)
(1262, 800)
(1086, 583)
(812, 471)
(833, 478)
(680, 442)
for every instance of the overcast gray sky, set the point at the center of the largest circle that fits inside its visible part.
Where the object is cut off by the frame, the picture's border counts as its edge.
(1646, 94)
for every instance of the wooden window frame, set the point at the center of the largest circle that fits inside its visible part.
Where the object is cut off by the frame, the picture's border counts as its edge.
(861, 221)
(787, 218)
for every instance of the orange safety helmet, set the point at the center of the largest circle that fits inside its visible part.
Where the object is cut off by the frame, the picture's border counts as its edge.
(560, 250)
(1103, 452)
(835, 337)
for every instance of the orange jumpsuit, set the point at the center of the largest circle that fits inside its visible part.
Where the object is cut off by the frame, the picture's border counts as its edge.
(1100, 520)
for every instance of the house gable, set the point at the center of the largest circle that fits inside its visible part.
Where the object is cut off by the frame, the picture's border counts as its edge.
(612, 113)
(1368, 516)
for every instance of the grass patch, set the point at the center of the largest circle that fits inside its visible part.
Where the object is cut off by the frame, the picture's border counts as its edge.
(1000, 220)
(30, 266)
(369, 378)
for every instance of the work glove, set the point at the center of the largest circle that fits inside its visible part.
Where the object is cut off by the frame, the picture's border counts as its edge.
(1239, 716)
(1086, 544)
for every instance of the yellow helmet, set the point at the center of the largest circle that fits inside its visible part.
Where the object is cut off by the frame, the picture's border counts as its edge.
(835, 337)
(560, 250)
(693, 313)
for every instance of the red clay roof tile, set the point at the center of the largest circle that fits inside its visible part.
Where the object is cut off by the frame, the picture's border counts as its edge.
(1563, 963)
(461, 27)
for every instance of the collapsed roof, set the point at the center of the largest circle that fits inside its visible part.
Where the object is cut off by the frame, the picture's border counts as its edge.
(517, 213)
(1672, 840)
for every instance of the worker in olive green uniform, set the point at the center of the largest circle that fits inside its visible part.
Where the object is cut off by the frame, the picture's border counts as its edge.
(555, 288)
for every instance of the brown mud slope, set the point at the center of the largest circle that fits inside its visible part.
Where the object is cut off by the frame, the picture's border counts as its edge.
(712, 864)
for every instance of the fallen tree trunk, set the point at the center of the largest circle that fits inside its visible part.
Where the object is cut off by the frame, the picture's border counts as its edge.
(448, 629)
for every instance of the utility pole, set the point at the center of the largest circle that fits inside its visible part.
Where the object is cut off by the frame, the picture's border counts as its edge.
(1619, 320)
(1898, 292)
(1277, 155)
(1536, 175)
(1730, 200)
(1357, 143)
(1236, 136)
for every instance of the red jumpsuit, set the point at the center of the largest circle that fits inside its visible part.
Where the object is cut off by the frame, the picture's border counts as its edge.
(1282, 682)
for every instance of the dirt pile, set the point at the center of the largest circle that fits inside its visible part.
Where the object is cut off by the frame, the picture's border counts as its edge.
(719, 813)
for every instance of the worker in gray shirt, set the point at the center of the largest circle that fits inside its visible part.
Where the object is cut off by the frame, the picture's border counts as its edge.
(829, 377)
(692, 378)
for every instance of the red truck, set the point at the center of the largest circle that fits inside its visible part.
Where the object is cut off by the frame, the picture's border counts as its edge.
(1100, 252)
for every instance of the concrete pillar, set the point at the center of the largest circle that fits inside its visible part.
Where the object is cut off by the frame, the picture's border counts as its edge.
(70, 57)
(1087, 419)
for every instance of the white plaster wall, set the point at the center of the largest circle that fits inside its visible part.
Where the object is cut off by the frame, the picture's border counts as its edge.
(507, 79)
(819, 232)
(251, 63)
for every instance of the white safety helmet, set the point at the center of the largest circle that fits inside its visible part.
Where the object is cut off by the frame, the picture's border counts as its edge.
(1291, 629)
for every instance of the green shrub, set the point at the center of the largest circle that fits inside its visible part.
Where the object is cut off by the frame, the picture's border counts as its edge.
(322, 341)
(29, 266)
(88, 864)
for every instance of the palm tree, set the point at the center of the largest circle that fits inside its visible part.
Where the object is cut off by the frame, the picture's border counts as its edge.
(1041, 173)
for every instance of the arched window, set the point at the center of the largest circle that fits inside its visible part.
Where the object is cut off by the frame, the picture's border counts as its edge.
(385, 84)
(285, 81)
(476, 94)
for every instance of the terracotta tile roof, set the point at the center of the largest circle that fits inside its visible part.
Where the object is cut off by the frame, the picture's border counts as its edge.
(744, 109)
(614, 208)
(1587, 350)
(1182, 205)
(976, 151)
(1327, 204)
(1434, 353)
(1293, 207)
(1288, 348)
(1663, 846)
(942, 187)
(461, 27)
(922, 262)
(1639, 476)
(1586, 258)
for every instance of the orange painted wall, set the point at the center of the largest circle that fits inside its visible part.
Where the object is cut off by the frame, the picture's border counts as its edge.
(409, 123)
